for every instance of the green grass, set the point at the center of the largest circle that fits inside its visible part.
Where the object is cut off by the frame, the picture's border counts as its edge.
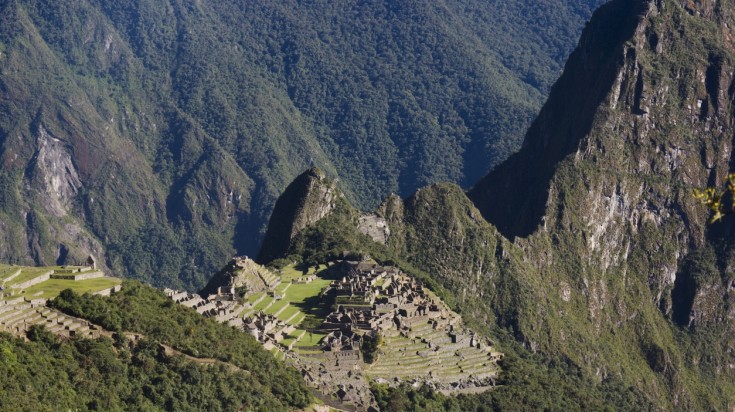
(299, 293)
(7, 270)
(316, 270)
(309, 339)
(255, 297)
(276, 306)
(288, 312)
(51, 288)
(277, 353)
(263, 303)
(28, 273)
(306, 298)
(290, 272)
(299, 319)
(289, 340)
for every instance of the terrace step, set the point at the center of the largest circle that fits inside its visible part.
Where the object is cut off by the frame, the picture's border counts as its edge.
(15, 315)
(12, 276)
(288, 321)
(30, 318)
(260, 299)
(14, 312)
(282, 309)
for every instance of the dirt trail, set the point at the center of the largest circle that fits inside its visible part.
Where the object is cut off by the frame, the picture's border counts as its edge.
(169, 351)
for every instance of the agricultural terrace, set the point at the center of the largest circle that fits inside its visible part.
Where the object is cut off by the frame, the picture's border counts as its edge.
(297, 304)
(38, 282)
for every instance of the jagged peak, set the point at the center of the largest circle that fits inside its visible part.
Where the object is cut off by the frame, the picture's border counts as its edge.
(308, 199)
(513, 197)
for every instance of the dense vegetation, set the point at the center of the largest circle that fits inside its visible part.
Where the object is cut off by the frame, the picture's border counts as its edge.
(46, 374)
(142, 309)
(185, 120)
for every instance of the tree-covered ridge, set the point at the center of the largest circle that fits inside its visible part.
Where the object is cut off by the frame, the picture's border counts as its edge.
(181, 122)
(46, 374)
(147, 311)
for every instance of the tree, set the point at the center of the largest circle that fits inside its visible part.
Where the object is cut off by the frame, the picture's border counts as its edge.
(720, 200)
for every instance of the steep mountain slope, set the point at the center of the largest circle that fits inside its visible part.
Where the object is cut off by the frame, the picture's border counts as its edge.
(128, 127)
(619, 191)
(611, 268)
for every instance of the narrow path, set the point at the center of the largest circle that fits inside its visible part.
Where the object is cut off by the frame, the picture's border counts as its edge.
(169, 351)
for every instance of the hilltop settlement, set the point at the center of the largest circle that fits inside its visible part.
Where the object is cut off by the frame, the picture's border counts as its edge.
(346, 322)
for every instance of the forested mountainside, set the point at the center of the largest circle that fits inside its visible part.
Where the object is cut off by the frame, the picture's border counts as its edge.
(586, 253)
(127, 129)
(161, 356)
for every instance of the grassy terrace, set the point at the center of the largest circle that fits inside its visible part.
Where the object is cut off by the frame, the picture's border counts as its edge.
(289, 273)
(52, 287)
(293, 337)
(267, 301)
(289, 315)
(299, 293)
(300, 302)
(310, 339)
(276, 306)
(254, 298)
(282, 287)
(404, 361)
(7, 270)
(28, 273)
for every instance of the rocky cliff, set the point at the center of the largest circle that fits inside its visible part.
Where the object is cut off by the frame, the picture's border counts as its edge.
(308, 199)
(614, 182)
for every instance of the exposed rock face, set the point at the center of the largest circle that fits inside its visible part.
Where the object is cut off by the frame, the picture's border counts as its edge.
(308, 199)
(616, 179)
(599, 198)
(53, 183)
(513, 196)
(374, 226)
(56, 176)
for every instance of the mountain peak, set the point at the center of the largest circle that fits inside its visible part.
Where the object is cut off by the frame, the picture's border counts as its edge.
(309, 198)
(514, 195)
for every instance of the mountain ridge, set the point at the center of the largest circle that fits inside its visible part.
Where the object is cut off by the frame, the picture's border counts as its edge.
(185, 121)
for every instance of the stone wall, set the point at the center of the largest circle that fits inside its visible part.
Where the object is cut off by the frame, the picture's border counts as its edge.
(77, 276)
(38, 279)
(109, 291)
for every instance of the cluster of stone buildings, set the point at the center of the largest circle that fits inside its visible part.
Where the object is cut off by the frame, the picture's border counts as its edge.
(374, 299)
(221, 306)
(267, 329)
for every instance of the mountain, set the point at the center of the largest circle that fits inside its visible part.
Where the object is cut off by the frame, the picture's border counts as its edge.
(585, 253)
(128, 129)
